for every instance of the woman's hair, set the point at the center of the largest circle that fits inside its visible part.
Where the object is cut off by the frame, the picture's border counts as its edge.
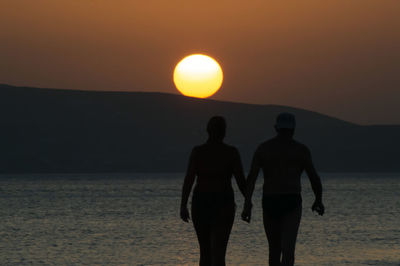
(216, 128)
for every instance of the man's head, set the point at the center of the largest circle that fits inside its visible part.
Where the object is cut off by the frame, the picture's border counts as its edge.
(216, 128)
(285, 124)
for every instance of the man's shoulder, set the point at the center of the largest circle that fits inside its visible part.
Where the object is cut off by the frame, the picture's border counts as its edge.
(301, 147)
(270, 143)
(265, 145)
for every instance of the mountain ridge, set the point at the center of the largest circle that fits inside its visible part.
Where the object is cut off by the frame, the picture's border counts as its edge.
(64, 131)
(78, 91)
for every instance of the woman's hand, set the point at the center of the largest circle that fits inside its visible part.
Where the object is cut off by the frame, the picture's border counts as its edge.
(246, 213)
(185, 214)
(318, 207)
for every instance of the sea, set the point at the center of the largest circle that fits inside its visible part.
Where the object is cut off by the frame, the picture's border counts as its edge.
(133, 219)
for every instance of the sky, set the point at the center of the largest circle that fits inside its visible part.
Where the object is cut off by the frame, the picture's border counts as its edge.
(336, 57)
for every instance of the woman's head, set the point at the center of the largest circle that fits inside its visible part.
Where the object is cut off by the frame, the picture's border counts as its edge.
(216, 128)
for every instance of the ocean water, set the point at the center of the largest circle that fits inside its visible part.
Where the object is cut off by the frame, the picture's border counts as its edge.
(133, 220)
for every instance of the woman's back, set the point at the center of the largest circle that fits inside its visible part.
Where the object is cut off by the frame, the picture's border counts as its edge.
(215, 163)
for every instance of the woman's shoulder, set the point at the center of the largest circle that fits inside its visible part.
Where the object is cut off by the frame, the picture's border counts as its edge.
(231, 151)
(197, 148)
(221, 147)
(201, 147)
(229, 147)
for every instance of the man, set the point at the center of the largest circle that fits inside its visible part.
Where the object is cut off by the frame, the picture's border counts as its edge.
(282, 160)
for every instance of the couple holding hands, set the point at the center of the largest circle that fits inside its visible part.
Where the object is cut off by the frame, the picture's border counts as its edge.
(212, 166)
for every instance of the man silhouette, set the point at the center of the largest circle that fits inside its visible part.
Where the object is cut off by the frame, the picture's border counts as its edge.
(282, 160)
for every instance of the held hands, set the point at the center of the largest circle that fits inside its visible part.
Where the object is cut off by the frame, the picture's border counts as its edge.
(185, 214)
(246, 213)
(318, 207)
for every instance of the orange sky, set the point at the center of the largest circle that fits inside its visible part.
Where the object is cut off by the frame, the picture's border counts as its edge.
(338, 57)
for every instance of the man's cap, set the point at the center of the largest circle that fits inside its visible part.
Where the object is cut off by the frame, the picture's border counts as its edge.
(285, 120)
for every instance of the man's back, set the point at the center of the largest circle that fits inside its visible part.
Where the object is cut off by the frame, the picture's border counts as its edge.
(282, 161)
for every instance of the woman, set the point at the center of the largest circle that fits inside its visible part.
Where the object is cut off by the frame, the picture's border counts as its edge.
(213, 205)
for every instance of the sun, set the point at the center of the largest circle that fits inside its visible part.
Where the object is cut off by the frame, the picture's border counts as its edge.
(198, 75)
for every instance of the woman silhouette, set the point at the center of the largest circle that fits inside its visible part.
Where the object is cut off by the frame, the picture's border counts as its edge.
(213, 204)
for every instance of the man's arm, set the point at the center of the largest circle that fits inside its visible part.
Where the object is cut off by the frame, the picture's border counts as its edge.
(187, 187)
(316, 184)
(251, 182)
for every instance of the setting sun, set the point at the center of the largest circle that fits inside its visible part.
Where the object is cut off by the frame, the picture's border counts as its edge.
(198, 75)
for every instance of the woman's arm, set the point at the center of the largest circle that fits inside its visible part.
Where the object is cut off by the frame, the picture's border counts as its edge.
(238, 173)
(187, 187)
(250, 184)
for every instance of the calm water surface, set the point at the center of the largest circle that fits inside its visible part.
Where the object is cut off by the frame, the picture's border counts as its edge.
(133, 220)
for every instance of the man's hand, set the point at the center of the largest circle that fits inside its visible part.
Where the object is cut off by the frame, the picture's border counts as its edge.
(246, 213)
(318, 207)
(185, 214)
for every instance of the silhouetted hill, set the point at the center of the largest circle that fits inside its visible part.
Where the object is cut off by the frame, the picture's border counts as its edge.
(46, 130)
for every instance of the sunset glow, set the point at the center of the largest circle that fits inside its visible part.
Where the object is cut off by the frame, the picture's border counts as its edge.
(198, 75)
